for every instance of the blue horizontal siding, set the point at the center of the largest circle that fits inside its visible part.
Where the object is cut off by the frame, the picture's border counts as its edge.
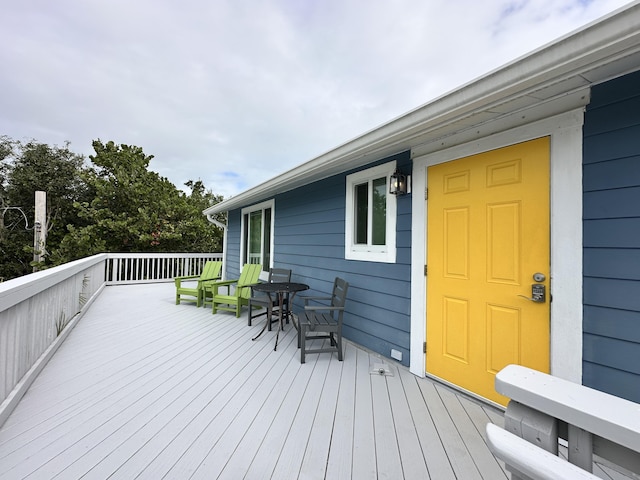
(613, 203)
(611, 323)
(613, 293)
(310, 240)
(612, 352)
(611, 380)
(612, 263)
(611, 233)
(600, 176)
(232, 265)
(612, 93)
(613, 117)
(611, 229)
(614, 145)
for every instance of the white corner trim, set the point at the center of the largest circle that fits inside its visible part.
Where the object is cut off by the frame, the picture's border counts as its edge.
(417, 359)
(566, 253)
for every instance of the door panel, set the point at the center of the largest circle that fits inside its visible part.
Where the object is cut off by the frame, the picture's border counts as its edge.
(503, 337)
(456, 329)
(488, 233)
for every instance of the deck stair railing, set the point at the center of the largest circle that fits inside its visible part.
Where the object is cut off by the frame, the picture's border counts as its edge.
(544, 409)
(37, 311)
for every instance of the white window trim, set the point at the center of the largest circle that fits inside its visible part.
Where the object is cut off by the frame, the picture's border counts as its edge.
(386, 253)
(258, 206)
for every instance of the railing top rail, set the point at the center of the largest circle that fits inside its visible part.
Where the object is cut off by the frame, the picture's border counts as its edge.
(605, 415)
(19, 289)
(164, 255)
(530, 460)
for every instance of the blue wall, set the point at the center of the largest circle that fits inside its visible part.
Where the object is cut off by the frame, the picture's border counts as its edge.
(309, 239)
(611, 184)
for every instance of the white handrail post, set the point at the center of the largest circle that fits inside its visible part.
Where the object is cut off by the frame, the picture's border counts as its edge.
(580, 448)
(530, 461)
(595, 424)
(533, 426)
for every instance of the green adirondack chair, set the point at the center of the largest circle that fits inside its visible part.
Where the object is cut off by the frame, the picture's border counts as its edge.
(211, 271)
(234, 300)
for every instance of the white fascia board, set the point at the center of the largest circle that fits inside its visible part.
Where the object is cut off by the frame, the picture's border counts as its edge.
(579, 57)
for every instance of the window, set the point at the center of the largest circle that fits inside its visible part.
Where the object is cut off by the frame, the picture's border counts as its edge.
(370, 230)
(257, 234)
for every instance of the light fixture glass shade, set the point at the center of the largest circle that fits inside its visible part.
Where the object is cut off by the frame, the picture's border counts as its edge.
(398, 183)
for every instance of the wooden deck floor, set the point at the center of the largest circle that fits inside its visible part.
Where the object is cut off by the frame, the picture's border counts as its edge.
(146, 389)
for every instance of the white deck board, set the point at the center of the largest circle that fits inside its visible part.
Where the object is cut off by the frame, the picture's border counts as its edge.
(435, 456)
(387, 451)
(314, 460)
(473, 439)
(480, 416)
(410, 450)
(364, 448)
(457, 452)
(340, 454)
(146, 389)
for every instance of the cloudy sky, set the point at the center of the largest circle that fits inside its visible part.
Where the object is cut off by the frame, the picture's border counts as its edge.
(233, 92)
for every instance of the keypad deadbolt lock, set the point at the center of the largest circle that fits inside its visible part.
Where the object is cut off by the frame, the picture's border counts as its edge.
(538, 293)
(538, 290)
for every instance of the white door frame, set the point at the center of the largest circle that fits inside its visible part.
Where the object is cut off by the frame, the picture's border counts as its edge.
(565, 131)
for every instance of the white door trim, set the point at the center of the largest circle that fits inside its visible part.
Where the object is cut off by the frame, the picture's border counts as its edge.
(565, 131)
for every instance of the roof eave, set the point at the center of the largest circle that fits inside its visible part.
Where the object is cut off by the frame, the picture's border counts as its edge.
(602, 50)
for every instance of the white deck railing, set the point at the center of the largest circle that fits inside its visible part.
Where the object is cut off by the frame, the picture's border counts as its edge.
(38, 310)
(123, 268)
(544, 409)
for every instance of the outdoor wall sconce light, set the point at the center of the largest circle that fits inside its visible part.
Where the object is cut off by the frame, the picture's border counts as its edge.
(398, 183)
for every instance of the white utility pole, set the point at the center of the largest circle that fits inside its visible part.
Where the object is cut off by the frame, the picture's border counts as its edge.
(40, 227)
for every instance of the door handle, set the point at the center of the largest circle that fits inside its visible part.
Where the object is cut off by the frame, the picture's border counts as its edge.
(538, 293)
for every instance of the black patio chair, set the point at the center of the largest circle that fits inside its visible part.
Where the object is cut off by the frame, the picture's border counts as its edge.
(323, 321)
(261, 301)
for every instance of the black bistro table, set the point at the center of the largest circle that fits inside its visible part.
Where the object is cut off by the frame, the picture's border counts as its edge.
(282, 290)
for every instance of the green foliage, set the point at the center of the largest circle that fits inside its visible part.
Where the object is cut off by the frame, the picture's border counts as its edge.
(198, 231)
(130, 204)
(114, 203)
(136, 210)
(24, 169)
(61, 323)
(82, 296)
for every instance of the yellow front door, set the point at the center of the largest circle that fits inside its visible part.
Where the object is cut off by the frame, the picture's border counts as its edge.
(487, 237)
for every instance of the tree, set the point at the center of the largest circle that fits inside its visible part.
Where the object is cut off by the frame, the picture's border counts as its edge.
(6, 149)
(25, 168)
(137, 210)
(199, 235)
(113, 203)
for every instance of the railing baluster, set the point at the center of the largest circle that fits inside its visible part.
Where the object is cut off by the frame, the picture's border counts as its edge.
(154, 267)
